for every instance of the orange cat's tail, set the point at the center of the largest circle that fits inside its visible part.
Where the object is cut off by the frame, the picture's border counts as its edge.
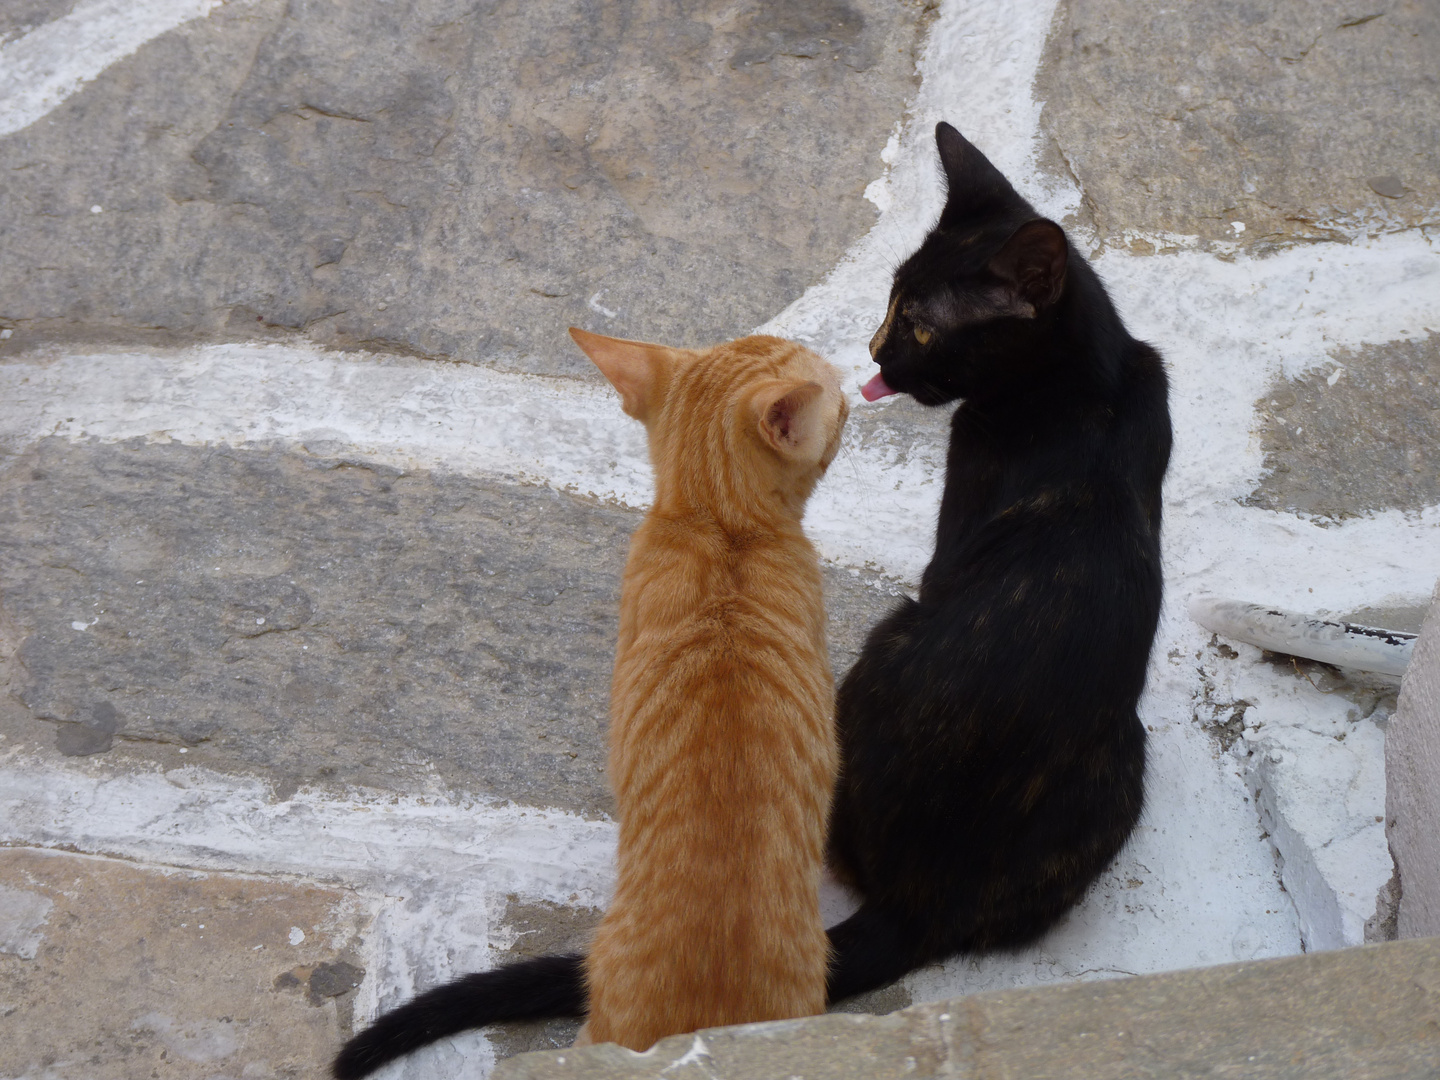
(538, 989)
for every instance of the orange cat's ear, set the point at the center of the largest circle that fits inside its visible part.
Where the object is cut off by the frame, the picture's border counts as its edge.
(789, 411)
(635, 368)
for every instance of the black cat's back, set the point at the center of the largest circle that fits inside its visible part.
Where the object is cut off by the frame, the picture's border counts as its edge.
(993, 756)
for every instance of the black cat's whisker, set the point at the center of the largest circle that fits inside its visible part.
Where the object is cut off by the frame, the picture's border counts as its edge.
(849, 455)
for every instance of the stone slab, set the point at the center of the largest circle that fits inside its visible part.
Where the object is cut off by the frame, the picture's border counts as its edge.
(1412, 785)
(455, 181)
(1354, 1014)
(319, 621)
(110, 971)
(1361, 433)
(1300, 120)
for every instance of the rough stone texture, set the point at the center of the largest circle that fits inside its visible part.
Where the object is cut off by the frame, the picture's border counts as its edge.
(19, 17)
(320, 621)
(456, 180)
(127, 971)
(1412, 785)
(1302, 120)
(541, 930)
(1368, 441)
(1356, 1014)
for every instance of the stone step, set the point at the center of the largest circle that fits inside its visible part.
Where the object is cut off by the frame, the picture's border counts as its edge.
(1354, 1014)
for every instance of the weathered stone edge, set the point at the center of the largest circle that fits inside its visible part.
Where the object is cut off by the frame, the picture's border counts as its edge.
(1367, 1011)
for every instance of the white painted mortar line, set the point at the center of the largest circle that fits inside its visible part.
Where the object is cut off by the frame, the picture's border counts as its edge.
(572, 435)
(44, 67)
(424, 866)
(209, 821)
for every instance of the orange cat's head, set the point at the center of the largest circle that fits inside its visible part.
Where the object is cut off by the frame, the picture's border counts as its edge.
(735, 428)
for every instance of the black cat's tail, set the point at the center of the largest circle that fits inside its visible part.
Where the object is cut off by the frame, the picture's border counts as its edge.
(538, 989)
(869, 950)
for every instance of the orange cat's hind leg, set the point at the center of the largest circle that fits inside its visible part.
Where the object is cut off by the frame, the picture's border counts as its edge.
(582, 1037)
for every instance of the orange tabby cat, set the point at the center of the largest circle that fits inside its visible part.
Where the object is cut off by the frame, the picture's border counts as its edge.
(722, 747)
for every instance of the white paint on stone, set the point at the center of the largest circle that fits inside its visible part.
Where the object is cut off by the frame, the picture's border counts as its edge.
(416, 414)
(1316, 770)
(1331, 641)
(435, 871)
(193, 1041)
(23, 914)
(44, 67)
(194, 818)
(698, 1054)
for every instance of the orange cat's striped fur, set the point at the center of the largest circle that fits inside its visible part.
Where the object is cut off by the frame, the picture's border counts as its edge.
(722, 748)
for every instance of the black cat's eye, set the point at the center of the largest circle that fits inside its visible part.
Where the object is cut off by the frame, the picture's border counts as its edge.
(922, 335)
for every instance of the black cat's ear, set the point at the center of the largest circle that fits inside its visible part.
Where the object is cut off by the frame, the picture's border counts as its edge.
(1033, 262)
(974, 185)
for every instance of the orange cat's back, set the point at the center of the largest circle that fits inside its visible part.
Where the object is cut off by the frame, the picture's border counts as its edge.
(722, 746)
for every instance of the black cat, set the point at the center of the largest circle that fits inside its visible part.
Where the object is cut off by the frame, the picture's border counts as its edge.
(992, 760)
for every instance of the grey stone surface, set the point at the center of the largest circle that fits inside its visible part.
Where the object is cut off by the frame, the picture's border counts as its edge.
(145, 972)
(1408, 617)
(453, 179)
(1412, 785)
(1303, 120)
(18, 17)
(319, 621)
(1356, 1014)
(542, 930)
(1370, 441)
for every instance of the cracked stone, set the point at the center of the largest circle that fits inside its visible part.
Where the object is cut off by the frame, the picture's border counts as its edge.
(1144, 104)
(1360, 435)
(454, 182)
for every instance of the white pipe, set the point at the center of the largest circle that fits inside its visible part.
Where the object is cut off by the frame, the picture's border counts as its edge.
(1349, 645)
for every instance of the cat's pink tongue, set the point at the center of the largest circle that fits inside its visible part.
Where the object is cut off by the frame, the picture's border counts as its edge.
(875, 389)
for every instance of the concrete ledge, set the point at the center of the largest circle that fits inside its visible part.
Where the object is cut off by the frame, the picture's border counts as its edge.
(1361, 1013)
